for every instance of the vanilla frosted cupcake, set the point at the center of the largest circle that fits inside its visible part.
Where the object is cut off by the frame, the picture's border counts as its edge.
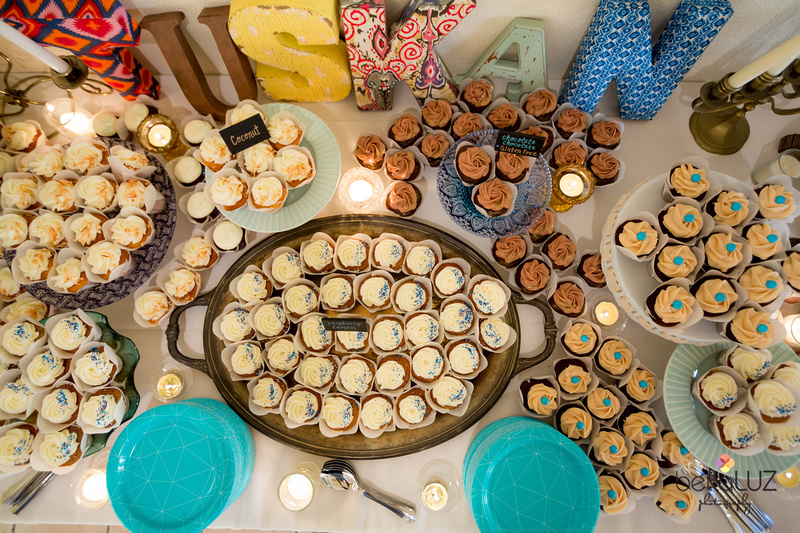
(182, 285)
(188, 171)
(295, 166)
(97, 191)
(762, 285)
(87, 228)
(337, 292)
(773, 401)
(13, 230)
(387, 333)
(300, 299)
(421, 328)
(84, 156)
(493, 333)
(464, 357)
(449, 278)
(244, 111)
(420, 260)
(393, 374)
(228, 191)
(16, 446)
(24, 306)
(313, 336)
(197, 253)
(61, 448)
(48, 230)
(457, 318)
(270, 319)
(45, 368)
(427, 364)
(105, 257)
(253, 287)
(246, 360)
(352, 341)
(130, 193)
(356, 375)
(60, 405)
(282, 355)
(258, 158)
(377, 412)
(20, 193)
(15, 397)
(268, 392)
(99, 410)
(36, 263)
(283, 131)
(317, 256)
(9, 288)
(228, 236)
(449, 393)
(374, 291)
(268, 194)
(642, 471)
(489, 296)
(789, 373)
(718, 391)
(749, 363)
(339, 413)
(388, 253)
(130, 159)
(95, 367)
(302, 406)
(153, 306)
(285, 268)
(45, 162)
(69, 333)
(317, 372)
(235, 325)
(785, 437)
(19, 338)
(609, 448)
(213, 152)
(132, 231)
(69, 276)
(353, 254)
(737, 432)
(410, 295)
(21, 136)
(413, 408)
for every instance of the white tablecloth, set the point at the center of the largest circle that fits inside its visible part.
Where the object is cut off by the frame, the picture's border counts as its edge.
(648, 149)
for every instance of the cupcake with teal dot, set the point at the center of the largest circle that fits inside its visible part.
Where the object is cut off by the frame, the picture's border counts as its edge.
(687, 179)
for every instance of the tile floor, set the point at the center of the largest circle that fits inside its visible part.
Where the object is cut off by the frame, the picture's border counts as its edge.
(54, 528)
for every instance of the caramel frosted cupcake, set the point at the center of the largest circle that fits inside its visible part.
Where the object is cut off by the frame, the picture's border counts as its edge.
(464, 357)
(791, 265)
(636, 236)
(674, 261)
(477, 95)
(774, 201)
(433, 147)
(590, 269)
(765, 241)
(574, 422)
(580, 339)
(393, 374)
(402, 166)
(614, 357)
(540, 396)
(509, 251)
(504, 117)
(676, 498)
(605, 167)
(544, 133)
(670, 305)
(681, 222)
(609, 447)
(403, 199)
(561, 251)
(512, 167)
(541, 105)
(729, 207)
(437, 114)
(602, 403)
(532, 276)
(642, 471)
(427, 364)
(573, 376)
(751, 327)
(571, 121)
(370, 151)
(688, 181)
(568, 153)
(640, 427)
(641, 386)
(412, 407)
(473, 165)
(543, 227)
(465, 124)
(568, 299)
(673, 451)
(406, 130)
(723, 252)
(613, 496)
(715, 295)
(604, 134)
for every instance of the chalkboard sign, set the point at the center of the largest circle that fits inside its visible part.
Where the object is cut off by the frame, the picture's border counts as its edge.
(345, 324)
(519, 143)
(245, 134)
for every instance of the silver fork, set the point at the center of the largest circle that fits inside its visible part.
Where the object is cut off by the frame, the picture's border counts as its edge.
(25, 490)
(731, 485)
(696, 469)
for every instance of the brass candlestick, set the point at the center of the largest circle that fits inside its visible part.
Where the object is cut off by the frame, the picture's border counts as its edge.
(158, 134)
(572, 185)
(718, 123)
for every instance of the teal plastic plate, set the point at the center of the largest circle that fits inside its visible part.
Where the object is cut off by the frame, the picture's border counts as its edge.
(689, 417)
(171, 470)
(304, 203)
(522, 476)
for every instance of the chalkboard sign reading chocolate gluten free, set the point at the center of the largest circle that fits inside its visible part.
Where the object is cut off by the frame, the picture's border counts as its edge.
(519, 143)
(245, 134)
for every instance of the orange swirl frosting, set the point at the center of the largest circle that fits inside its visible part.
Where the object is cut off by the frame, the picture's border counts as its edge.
(613, 497)
(722, 252)
(674, 304)
(466, 124)
(604, 166)
(370, 149)
(540, 103)
(533, 275)
(572, 121)
(764, 241)
(503, 116)
(676, 261)
(689, 181)
(402, 197)
(716, 296)
(405, 128)
(677, 500)
(569, 153)
(642, 471)
(542, 399)
(774, 201)
(544, 225)
(434, 145)
(731, 207)
(683, 221)
(642, 385)
(512, 166)
(752, 328)
(574, 379)
(606, 133)
(437, 113)
(593, 269)
(401, 165)
(674, 450)
(474, 163)
(792, 268)
(580, 338)
(569, 298)
(602, 403)
(510, 249)
(638, 237)
(576, 423)
(640, 428)
(614, 357)
(478, 93)
(494, 195)
(609, 447)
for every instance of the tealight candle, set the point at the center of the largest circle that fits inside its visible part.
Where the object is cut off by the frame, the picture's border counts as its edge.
(606, 313)
(360, 190)
(786, 163)
(571, 185)
(434, 496)
(297, 488)
(159, 135)
(169, 381)
(90, 489)
(789, 478)
(169, 386)
(792, 324)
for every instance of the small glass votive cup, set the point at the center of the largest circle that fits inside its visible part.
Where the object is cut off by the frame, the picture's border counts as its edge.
(438, 486)
(606, 312)
(169, 382)
(298, 487)
(360, 190)
(786, 163)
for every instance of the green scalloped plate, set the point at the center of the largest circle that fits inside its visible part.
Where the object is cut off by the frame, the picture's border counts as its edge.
(688, 416)
(304, 203)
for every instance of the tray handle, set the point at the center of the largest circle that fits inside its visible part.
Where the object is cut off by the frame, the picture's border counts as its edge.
(174, 331)
(526, 361)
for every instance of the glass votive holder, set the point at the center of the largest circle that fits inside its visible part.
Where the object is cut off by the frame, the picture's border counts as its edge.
(297, 488)
(606, 312)
(360, 190)
(89, 490)
(169, 382)
(786, 163)
(439, 486)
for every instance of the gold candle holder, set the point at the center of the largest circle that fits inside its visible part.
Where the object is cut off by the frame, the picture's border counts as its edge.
(158, 134)
(572, 185)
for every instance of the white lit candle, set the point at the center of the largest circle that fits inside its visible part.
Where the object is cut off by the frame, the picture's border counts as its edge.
(606, 313)
(295, 492)
(792, 325)
(35, 49)
(783, 54)
(159, 135)
(571, 185)
(360, 191)
(787, 163)
(790, 478)
(434, 496)
(91, 491)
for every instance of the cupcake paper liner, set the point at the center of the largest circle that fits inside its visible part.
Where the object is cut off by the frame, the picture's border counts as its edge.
(708, 222)
(331, 433)
(597, 118)
(512, 338)
(659, 389)
(386, 143)
(514, 193)
(186, 120)
(558, 142)
(778, 226)
(9, 176)
(119, 271)
(98, 169)
(298, 340)
(226, 172)
(723, 359)
(384, 236)
(620, 172)
(119, 410)
(577, 281)
(489, 151)
(14, 469)
(497, 102)
(563, 406)
(183, 205)
(631, 502)
(766, 432)
(612, 421)
(16, 271)
(778, 329)
(401, 348)
(447, 136)
(646, 492)
(472, 331)
(574, 136)
(480, 278)
(257, 409)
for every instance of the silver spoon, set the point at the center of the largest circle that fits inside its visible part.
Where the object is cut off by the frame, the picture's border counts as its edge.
(339, 475)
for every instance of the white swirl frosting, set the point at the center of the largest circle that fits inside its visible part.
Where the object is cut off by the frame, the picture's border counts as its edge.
(234, 325)
(48, 228)
(302, 406)
(268, 192)
(494, 332)
(227, 190)
(352, 341)
(181, 283)
(246, 359)
(45, 163)
(719, 389)
(129, 231)
(318, 255)
(69, 333)
(282, 131)
(788, 374)
(376, 413)
(749, 364)
(387, 334)
(98, 411)
(131, 159)
(449, 280)
(20, 135)
(740, 430)
(57, 448)
(13, 230)
(294, 166)
(16, 447)
(252, 287)
(104, 257)
(25, 306)
(314, 334)
(356, 376)
(97, 191)
(489, 297)
(390, 375)
(352, 253)
(374, 291)
(300, 299)
(83, 156)
(267, 393)
(242, 112)
(411, 295)
(58, 195)
(774, 399)
(270, 320)
(785, 437)
(36, 263)
(213, 150)
(286, 267)
(59, 405)
(337, 292)
(337, 412)
(15, 397)
(421, 260)
(258, 158)
(19, 338)
(317, 371)
(95, 367)
(197, 253)
(449, 392)
(44, 369)
(412, 409)
(19, 193)
(152, 306)
(457, 317)
(86, 227)
(8, 285)
(131, 193)
(427, 363)
(68, 274)
(388, 253)
(464, 358)
(282, 355)
(422, 328)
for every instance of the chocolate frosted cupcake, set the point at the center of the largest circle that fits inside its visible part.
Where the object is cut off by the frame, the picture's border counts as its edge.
(715, 295)
(532, 276)
(433, 147)
(568, 153)
(604, 134)
(512, 167)
(729, 207)
(477, 95)
(605, 168)
(541, 105)
(504, 117)
(762, 285)
(674, 261)
(473, 165)
(494, 197)
(560, 250)
(546, 134)
(590, 269)
(370, 152)
(568, 299)
(403, 199)
(402, 166)
(437, 114)
(682, 222)
(543, 227)
(406, 130)
(636, 236)
(670, 305)
(509, 251)
(465, 124)
(571, 121)
(688, 181)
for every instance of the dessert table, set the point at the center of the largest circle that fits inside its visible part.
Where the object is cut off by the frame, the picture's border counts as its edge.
(649, 149)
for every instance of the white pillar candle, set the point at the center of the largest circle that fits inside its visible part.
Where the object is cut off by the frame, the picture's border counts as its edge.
(571, 185)
(159, 135)
(789, 49)
(33, 48)
(786, 163)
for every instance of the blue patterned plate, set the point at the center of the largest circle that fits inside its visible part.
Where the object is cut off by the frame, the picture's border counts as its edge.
(304, 203)
(532, 198)
(522, 476)
(688, 416)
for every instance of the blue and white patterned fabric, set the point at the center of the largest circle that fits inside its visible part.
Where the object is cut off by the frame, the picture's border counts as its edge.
(618, 46)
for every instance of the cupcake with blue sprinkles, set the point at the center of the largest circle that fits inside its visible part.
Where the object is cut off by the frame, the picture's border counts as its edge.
(737, 432)
(720, 390)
